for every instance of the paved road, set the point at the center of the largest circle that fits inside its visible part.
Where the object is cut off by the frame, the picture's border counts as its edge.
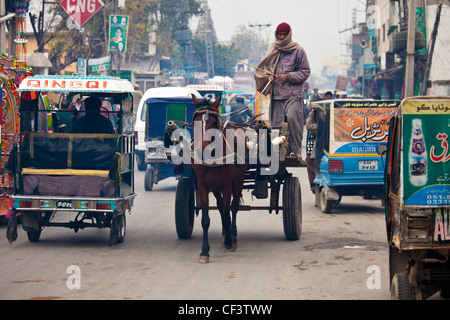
(337, 256)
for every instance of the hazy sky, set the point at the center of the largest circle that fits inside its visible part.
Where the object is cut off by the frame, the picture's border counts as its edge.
(315, 23)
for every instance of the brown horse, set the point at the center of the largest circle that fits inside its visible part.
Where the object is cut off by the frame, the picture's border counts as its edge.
(226, 180)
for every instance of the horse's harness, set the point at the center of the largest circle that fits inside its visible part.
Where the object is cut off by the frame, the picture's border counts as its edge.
(220, 125)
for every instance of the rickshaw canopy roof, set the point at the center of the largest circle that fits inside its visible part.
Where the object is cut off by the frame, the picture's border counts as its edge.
(161, 110)
(94, 84)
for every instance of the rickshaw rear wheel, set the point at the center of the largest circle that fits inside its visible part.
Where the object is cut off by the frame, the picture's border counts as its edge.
(33, 236)
(325, 205)
(149, 177)
(121, 227)
(184, 208)
(118, 228)
(400, 287)
(292, 208)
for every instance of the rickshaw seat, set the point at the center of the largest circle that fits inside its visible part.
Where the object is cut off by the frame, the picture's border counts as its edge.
(72, 151)
(70, 164)
(66, 172)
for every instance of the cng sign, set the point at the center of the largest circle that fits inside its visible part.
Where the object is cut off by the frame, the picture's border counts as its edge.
(81, 10)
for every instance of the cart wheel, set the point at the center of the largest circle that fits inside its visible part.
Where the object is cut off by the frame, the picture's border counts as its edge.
(33, 236)
(118, 229)
(400, 287)
(148, 182)
(325, 205)
(292, 208)
(184, 208)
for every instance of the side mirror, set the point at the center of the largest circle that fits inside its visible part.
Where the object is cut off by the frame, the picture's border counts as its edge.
(382, 149)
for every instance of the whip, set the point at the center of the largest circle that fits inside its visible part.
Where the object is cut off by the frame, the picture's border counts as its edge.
(268, 72)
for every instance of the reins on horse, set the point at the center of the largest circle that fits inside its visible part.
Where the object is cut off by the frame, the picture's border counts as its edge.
(225, 159)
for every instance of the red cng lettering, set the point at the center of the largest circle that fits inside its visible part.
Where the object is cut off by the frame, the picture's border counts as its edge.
(81, 6)
(81, 10)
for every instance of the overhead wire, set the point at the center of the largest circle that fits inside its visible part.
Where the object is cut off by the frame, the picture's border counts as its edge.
(227, 9)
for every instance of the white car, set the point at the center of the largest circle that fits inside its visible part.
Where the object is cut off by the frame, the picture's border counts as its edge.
(139, 126)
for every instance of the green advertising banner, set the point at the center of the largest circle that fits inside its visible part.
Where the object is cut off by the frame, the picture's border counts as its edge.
(99, 64)
(426, 153)
(118, 30)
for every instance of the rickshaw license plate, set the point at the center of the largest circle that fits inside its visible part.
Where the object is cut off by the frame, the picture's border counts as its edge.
(368, 164)
(64, 204)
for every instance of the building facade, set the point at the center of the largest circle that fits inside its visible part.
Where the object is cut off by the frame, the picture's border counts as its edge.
(379, 49)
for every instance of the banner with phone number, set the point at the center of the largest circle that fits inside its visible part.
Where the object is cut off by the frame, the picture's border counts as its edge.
(435, 122)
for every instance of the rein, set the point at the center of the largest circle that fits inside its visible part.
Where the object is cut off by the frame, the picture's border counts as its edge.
(220, 161)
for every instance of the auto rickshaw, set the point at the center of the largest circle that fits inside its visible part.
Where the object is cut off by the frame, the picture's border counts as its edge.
(88, 174)
(160, 111)
(346, 159)
(417, 195)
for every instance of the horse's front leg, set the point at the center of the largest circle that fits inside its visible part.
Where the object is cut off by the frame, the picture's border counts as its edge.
(204, 255)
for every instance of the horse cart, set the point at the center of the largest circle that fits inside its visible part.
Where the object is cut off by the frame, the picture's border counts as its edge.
(90, 175)
(261, 168)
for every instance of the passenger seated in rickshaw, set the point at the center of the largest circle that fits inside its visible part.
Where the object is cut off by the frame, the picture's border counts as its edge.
(93, 121)
(311, 125)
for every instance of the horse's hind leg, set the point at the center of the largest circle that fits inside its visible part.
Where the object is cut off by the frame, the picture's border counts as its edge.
(238, 185)
(226, 221)
(233, 227)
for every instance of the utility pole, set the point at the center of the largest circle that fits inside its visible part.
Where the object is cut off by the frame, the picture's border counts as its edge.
(209, 54)
(410, 49)
(423, 88)
(2, 27)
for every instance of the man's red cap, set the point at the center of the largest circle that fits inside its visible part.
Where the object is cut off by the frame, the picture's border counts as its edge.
(283, 27)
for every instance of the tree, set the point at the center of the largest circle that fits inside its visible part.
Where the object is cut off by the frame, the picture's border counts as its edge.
(66, 43)
(222, 66)
(250, 44)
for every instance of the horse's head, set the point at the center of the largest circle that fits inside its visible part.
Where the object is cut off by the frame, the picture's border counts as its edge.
(207, 103)
(207, 112)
